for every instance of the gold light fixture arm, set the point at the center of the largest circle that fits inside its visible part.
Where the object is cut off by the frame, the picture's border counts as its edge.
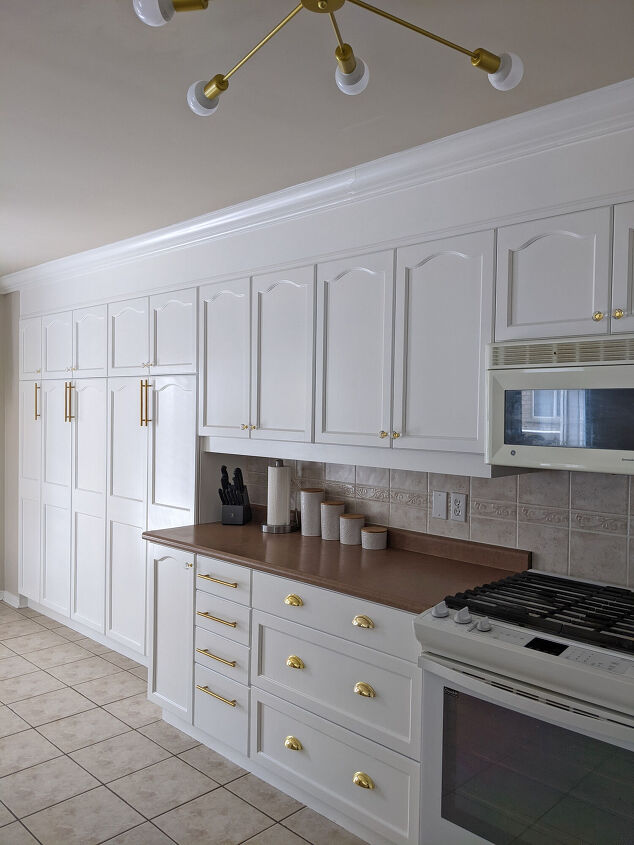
(344, 53)
(335, 26)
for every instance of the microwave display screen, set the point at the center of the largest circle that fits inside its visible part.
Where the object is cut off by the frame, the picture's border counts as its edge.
(582, 419)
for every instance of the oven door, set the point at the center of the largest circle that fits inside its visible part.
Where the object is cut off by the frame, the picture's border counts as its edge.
(500, 766)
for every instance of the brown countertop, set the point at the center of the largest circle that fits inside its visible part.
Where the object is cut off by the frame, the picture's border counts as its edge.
(409, 580)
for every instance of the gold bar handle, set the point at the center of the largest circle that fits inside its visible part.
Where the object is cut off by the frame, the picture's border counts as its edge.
(362, 622)
(218, 581)
(207, 691)
(71, 386)
(147, 402)
(37, 387)
(204, 651)
(216, 619)
(65, 401)
(141, 421)
(362, 780)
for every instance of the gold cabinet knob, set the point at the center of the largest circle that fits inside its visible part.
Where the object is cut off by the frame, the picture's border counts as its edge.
(253, 427)
(295, 662)
(382, 434)
(244, 427)
(362, 780)
(365, 690)
(618, 313)
(598, 316)
(189, 566)
(362, 622)
(396, 435)
(293, 601)
(293, 744)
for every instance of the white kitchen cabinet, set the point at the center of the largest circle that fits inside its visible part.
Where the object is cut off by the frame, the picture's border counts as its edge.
(57, 345)
(173, 346)
(30, 476)
(129, 337)
(30, 350)
(90, 346)
(170, 679)
(354, 350)
(623, 269)
(282, 319)
(225, 359)
(553, 276)
(444, 315)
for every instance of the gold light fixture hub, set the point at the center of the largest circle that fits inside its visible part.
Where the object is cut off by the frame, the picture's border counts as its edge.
(323, 6)
(345, 58)
(485, 60)
(214, 88)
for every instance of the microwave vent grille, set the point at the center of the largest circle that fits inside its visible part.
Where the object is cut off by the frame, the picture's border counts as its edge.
(559, 353)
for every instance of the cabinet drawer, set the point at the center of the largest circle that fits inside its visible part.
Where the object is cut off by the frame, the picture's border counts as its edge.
(375, 695)
(327, 762)
(391, 630)
(218, 653)
(225, 717)
(223, 617)
(223, 579)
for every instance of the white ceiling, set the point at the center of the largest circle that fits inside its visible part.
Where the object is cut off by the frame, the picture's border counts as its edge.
(97, 143)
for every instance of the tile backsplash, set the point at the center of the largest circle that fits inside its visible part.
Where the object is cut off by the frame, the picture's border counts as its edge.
(575, 523)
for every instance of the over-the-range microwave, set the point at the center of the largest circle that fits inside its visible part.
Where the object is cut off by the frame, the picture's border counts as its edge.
(562, 404)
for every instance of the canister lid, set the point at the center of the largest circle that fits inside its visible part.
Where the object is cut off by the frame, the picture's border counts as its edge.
(312, 490)
(332, 502)
(374, 529)
(352, 516)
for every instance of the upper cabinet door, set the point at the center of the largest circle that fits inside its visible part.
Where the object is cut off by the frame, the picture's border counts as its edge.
(173, 345)
(30, 348)
(225, 359)
(623, 270)
(553, 276)
(57, 345)
(354, 350)
(444, 307)
(283, 316)
(128, 337)
(90, 336)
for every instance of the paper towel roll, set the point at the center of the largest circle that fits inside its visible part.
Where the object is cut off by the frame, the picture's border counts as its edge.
(278, 501)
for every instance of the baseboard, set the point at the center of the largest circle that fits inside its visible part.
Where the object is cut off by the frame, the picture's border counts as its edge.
(13, 600)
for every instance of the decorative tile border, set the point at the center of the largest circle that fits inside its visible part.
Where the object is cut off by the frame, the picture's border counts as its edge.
(410, 498)
(493, 510)
(375, 494)
(543, 516)
(606, 523)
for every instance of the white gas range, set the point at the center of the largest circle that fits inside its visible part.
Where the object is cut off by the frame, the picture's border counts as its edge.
(528, 728)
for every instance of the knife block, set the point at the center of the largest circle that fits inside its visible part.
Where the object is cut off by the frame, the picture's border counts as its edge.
(236, 514)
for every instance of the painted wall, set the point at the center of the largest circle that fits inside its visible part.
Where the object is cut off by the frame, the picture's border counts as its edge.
(10, 315)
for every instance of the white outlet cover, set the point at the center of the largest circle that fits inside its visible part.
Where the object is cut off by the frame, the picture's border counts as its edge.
(458, 506)
(439, 504)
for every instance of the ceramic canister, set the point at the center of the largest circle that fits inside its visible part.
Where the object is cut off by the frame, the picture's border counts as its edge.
(310, 501)
(350, 525)
(374, 537)
(330, 513)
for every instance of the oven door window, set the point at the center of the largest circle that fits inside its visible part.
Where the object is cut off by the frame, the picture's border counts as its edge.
(511, 778)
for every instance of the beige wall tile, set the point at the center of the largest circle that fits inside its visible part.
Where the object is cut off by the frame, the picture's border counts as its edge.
(502, 489)
(412, 519)
(449, 483)
(545, 488)
(448, 528)
(373, 476)
(598, 557)
(340, 472)
(498, 532)
(375, 512)
(312, 469)
(548, 544)
(596, 491)
(405, 479)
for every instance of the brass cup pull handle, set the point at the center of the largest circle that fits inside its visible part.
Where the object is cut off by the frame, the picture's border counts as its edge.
(365, 690)
(231, 702)
(218, 581)
(362, 622)
(362, 780)
(383, 434)
(204, 651)
(293, 744)
(37, 413)
(295, 662)
(293, 601)
(216, 619)
(618, 313)
(598, 316)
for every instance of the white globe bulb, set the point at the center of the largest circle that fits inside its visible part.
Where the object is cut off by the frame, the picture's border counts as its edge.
(154, 12)
(198, 102)
(509, 74)
(355, 82)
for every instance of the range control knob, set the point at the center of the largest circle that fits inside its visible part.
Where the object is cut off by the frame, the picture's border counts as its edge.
(483, 624)
(463, 617)
(440, 610)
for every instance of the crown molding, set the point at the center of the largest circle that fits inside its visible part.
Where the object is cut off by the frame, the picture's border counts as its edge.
(602, 112)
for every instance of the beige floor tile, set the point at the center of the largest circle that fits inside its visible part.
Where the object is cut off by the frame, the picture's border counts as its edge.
(25, 686)
(10, 723)
(30, 613)
(5, 652)
(319, 830)
(17, 628)
(51, 706)
(219, 817)
(44, 785)
(68, 633)
(162, 787)
(17, 834)
(58, 655)
(5, 817)
(212, 764)
(122, 661)
(276, 835)
(20, 751)
(135, 711)
(34, 642)
(83, 670)
(49, 623)
(11, 667)
(75, 732)
(139, 672)
(267, 798)
(93, 646)
(169, 737)
(111, 688)
(9, 614)
(114, 758)
(84, 820)
(145, 834)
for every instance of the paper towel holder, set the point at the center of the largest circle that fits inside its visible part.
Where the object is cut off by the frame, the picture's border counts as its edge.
(281, 529)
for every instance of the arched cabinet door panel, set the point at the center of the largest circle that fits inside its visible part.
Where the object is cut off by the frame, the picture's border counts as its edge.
(30, 351)
(90, 342)
(57, 346)
(128, 337)
(173, 347)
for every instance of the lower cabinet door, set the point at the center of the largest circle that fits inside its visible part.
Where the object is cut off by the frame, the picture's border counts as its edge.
(221, 708)
(171, 609)
(365, 781)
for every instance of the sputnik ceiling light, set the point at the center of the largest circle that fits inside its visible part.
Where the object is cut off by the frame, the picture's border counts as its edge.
(351, 75)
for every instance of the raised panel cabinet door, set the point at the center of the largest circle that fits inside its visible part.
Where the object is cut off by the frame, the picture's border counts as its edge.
(553, 276)
(170, 679)
(57, 345)
(282, 319)
(129, 337)
(172, 463)
(56, 494)
(90, 342)
(30, 352)
(444, 296)
(126, 576)
(354, 350)
(225, 359)
(30, 474)
(88, 526)
(173, 347)
(622, 319)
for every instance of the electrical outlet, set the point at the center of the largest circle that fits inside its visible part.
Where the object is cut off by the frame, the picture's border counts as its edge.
(439, 504)
(458, 507)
